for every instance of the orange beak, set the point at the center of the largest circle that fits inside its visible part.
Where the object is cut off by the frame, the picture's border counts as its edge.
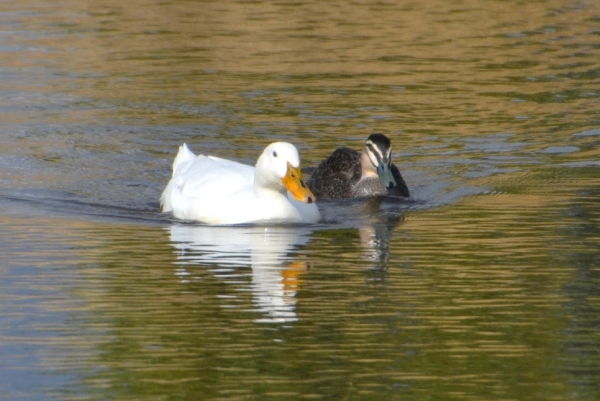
(294, 184)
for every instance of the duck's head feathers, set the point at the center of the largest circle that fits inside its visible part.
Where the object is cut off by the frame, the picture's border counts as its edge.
(377, 159)
(278, 168)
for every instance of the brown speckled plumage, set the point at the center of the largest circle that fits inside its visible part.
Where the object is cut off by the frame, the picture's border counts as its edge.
(340, 176)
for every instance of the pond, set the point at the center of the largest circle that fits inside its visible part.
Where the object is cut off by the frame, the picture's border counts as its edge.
(483, 285)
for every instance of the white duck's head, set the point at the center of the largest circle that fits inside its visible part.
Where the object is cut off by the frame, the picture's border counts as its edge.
(278, 169)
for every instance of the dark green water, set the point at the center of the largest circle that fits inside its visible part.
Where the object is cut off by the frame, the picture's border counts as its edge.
(484, 286)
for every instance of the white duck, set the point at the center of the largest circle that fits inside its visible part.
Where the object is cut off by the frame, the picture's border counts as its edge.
(216, 191)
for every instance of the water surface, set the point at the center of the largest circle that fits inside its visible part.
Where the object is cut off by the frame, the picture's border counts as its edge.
(484, 285)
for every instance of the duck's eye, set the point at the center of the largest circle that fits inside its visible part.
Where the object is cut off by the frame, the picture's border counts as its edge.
(274, 154)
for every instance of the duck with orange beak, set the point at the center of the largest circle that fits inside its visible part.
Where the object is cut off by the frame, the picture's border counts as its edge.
(217, 191)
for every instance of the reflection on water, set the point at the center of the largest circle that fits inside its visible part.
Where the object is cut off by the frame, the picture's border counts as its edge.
(227, 252)
(375, 243)
(375, 220)
(274, 254)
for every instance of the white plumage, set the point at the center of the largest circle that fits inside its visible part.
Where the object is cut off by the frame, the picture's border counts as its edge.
(217, 191)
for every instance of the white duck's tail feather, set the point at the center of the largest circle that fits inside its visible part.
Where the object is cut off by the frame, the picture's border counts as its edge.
(184, 159)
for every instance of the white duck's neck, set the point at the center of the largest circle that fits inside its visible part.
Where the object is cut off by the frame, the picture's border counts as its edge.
(265, 186)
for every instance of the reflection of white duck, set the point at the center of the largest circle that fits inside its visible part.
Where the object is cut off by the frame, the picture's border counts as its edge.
(218, 191)
(275, 275)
